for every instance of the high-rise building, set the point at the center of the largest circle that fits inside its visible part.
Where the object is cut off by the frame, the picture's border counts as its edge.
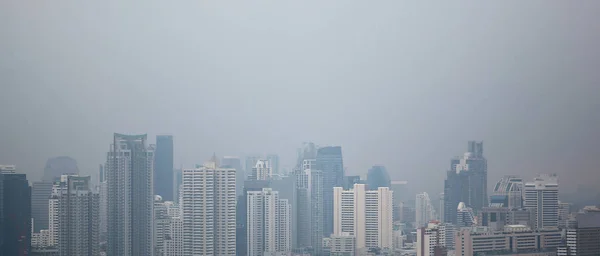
(274, 162)
(399, 187)
(424, 211)
(16, 232)
(241, 213)
(342, 245)
(162, 222)
(365, 214)
(466, 182)
(261, 171)
(309, 232)
(329, 161)
(508, 192)
(564, 211)
(177, 181)
(129, 172)
(378, 177)
(541, 197)
(431, 240)
(269, 223)
(286, 187)
(173, 244)
(308, 151)
(584, 239)
(512, 240)
(57, 166)
(103, 211)
(163, 167)
(209, 210)
(349, 181)
(79, 219)
(465, 216)
(235, 163)
(250, 164)
(496, 218)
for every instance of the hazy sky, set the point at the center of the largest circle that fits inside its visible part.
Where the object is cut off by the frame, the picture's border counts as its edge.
(400, 83)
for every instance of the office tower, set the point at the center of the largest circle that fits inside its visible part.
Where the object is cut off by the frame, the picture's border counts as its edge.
(330, 162)
(261, 171)
(57, 166)
(40, 193)
(378, 177)
(177, 181)
(365, 214)
(286, 186)
(564, 210)
(349, 181)
(308, 151)
(250, 164)
(235, 163)
(309, 185)
(431, 240)
(269, 223)
(79, 219)
(274, 162)
(399, 187)
(584, 238)
(508, 192)
(209, 210)
(541, 197)
(241, 213)
(163, 167)
(423, 210)
(465, 216)
(513, 240)
(440, 215)
(16, 232)
(466, 182)
(129, 172)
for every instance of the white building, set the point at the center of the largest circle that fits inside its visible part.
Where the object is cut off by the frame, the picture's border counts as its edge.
(464, 216)
(309, 192)
(514, 238)
(541, 197)
(173, 243)
(365, 214)
(129, 175)
(269, 223)
(431, 239)
(78, 218)
(423, 210)
(208, 208)
(262, 170)
(342, 245)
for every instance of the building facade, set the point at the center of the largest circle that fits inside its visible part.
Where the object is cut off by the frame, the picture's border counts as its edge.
(424, 211)
(513, 240)
(78, 218)
(209, 210)
(261, 171)
(163, 167)
(16, 206)
(365, 214)
(309, 185)
(541, 198)
(378, 176)
(329, 161)
(269, 223)
(584, 239)
(129, 172)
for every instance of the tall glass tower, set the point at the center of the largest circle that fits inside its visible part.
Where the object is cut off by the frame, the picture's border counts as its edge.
(163, 174)
(331, 164)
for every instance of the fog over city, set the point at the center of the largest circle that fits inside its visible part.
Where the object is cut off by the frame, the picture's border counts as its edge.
(395, 83)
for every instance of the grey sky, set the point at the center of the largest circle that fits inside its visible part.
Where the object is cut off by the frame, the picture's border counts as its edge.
(400, 83)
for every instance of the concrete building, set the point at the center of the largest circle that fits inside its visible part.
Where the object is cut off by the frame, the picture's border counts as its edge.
(497, 217)
(466, 182)
(274, 162)
(329, 160)
(309, 187)
(508, 193)
(129, 172)
(564, 211)
(103, 211)
(269, 223)
(242, 213)
(40, 193)
(423, 209)
(513, 240)
(464, 216)
(541, 197)
(431, 240)
(584, 239)
(173, 242)
(209, 210)
(79, 218)
(162, 222)
(250, 164)
(365, 214)
(261, 171)
(235, 163)
(342, 245)
(163, 167)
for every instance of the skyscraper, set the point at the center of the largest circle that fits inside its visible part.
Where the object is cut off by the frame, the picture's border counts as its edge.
(41, 190)
(16, 232)
(424, 209)
(242, 216)
(251, 163)
(274, 162)
(261, 171)
(129, 171)
(541, 197)
(79, 219)
(584, 239)
(365, 214)
(209, 210)
(309, 185)
(431, 240)
(464, 215)
(163, 167)
(269, 223)
(103, 211)
(508, 192)
(330, 162)
(235, 163)
(466, 182)
(378, 177)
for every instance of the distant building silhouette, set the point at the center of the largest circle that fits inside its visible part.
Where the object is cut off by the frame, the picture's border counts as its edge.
(378, 177)
(57, 166)
(16, 229)
(163, 167)
(330, 162)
